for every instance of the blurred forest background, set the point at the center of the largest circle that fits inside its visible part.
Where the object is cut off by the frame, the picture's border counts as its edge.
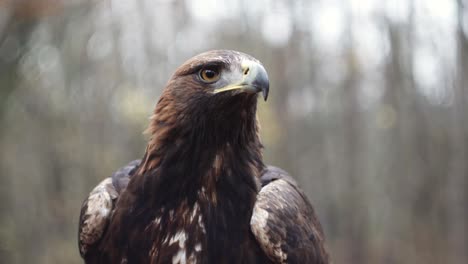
(367, 110)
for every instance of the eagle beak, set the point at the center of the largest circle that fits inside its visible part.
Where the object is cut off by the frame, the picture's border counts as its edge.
(254, 80)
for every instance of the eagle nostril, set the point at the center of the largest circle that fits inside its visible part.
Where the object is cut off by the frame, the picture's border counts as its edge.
(246, 70)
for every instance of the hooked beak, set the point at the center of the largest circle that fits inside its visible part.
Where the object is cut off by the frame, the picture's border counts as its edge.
(254, 80)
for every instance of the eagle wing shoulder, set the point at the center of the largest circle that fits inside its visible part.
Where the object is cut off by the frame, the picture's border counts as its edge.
(97, 208)
(284, 222)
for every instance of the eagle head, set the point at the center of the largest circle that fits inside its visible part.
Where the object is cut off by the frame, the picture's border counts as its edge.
(214, 83)
(213, 97)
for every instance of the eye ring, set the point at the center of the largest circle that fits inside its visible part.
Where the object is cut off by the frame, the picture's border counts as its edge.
(209, 74)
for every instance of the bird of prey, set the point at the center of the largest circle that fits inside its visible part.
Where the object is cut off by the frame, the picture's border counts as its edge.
(201, 192)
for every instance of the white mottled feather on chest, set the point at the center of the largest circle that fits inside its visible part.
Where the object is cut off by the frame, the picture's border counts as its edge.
(191, 217)
(181, 256)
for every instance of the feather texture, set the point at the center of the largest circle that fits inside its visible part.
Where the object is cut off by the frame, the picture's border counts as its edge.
(98, 207)
(284, 222)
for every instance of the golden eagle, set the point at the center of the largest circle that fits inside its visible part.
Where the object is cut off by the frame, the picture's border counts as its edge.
(202, 193)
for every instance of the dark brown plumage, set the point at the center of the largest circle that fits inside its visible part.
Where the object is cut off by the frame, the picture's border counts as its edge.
(201, 193)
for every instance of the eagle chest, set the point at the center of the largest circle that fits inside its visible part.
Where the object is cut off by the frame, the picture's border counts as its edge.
(178, 235)
(205, 232)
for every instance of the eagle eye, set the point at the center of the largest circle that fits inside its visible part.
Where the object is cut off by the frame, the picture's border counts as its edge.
(209, 74)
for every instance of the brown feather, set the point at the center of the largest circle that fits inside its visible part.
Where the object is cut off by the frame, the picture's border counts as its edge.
(284, 222)
(98, 207)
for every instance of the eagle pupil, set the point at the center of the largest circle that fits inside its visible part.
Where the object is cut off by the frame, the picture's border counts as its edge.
(210, 74)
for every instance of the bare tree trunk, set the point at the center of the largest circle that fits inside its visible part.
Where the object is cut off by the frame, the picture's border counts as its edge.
(457, 183)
